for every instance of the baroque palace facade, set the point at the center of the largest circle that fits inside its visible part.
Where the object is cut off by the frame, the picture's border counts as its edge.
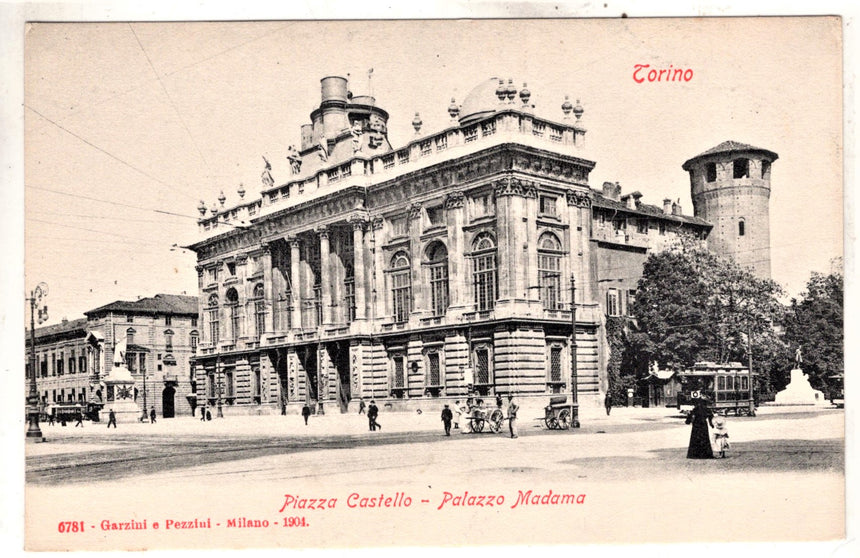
(434, 270)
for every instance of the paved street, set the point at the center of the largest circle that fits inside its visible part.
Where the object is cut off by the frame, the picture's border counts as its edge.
(782, 480)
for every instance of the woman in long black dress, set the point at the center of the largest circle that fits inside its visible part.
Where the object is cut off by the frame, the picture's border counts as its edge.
(700, 441)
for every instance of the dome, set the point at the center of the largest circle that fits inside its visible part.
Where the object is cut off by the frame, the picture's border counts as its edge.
(481, 101)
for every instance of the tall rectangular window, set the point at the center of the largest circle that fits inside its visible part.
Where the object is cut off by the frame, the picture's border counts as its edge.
(484, 277)
(482, 366)
(258, 386)
(399, 379)
(214, 326)
(434, 375)
(439, 288)
(349, 298)
(612, 302)
(72, 361)
(555, 372)
(402, 295)
(60, 364)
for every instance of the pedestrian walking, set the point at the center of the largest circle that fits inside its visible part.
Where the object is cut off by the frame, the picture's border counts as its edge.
(607, 402)
(111, 419)
(499, 400)
(721, 436)
(152, 415)
(306, 412)
(80, 420)
(372, 413)
(512, 416)
(51, 418)
(361, 406)
(203, 414)
(447, 418)
(700, 417)
(458, 412)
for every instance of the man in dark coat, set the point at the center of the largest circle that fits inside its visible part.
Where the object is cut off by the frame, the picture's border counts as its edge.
(447, 418)
(372, 413)
(111, 419)
(306, 412)
(152, 415)
(700, 442)
(607, 402)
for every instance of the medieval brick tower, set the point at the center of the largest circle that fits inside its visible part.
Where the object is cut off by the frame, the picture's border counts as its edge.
(730, 187)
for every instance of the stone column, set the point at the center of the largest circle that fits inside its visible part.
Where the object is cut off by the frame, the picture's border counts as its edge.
(358, 266)
(378, 280)
(295, 283)
(325, 275)
(419, 286)
(458, 268)
(268, 291)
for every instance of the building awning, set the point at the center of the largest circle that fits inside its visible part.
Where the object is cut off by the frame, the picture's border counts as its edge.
(170, 360)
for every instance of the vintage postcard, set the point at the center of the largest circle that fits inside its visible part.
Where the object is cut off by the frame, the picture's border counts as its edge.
(433, 283)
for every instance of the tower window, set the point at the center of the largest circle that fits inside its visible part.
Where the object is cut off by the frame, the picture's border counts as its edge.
(741, 227)
(711, 172)
(741, 168)
(765, 170)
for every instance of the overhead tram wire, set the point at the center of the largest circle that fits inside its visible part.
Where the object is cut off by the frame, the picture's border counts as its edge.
(169, 98)
(108, 153)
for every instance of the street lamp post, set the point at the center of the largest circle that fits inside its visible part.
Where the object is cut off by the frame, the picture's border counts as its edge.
(574, 391)
(33, 430)
(220, 413)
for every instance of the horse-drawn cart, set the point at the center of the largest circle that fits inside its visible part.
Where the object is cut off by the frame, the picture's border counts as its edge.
(558, 414)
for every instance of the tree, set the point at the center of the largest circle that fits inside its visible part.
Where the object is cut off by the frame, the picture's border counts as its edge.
(693, 306)
(815, 322)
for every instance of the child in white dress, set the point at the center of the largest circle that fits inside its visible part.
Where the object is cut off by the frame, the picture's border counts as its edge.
(721, 435)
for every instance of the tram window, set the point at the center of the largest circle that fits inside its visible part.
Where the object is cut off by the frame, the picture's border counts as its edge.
(721, 383)
(745, 385)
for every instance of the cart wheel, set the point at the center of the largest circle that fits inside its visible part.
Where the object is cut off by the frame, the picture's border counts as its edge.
(564, 419)
(552, 423)
(496, 419)
(477, 425)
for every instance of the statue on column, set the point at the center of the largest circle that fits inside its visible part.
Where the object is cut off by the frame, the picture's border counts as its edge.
(798, 357)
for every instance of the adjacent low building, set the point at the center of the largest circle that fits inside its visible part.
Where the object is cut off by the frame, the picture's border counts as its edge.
(73, 357)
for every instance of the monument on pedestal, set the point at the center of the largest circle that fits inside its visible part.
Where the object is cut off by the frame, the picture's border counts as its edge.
(798, 391)
(119, 388)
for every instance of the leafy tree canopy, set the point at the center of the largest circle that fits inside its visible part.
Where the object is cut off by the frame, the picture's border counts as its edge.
(814, 322)
(692, 306)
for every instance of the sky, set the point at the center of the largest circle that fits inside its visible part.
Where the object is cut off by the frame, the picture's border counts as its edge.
(127, 126)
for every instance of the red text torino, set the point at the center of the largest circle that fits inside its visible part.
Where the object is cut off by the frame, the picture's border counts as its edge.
(644, 72)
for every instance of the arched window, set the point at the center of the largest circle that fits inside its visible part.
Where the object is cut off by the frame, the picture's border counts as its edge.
(742, 228)
(233, 313)
(129, 336)
(484, 280)
(212, 315)
(437, 267)
(168, 340)
(259, 310)
(193, 340)
(401, 287)
(549, 270)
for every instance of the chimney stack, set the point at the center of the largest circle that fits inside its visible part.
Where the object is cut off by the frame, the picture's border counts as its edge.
(667, 207)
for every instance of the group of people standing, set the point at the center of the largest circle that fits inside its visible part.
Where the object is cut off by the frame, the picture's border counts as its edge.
(448, 417)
